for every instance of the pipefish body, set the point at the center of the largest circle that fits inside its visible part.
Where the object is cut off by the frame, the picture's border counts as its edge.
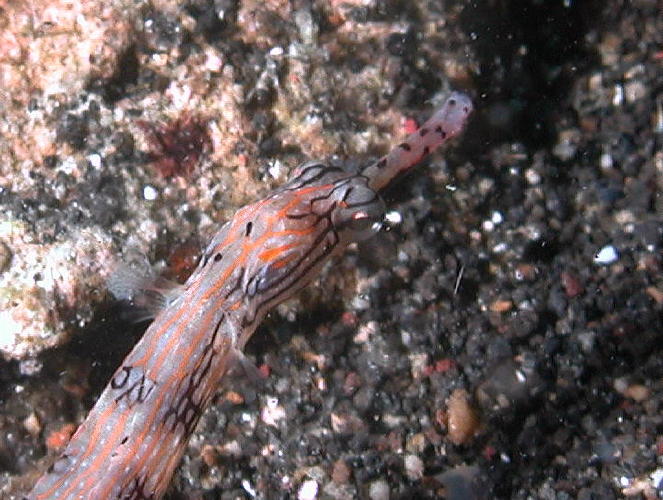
(133, 438)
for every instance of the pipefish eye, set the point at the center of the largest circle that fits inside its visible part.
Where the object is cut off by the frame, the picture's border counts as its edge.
(358, 215)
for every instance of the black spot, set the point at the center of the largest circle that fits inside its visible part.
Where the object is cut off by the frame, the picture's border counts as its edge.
(426, 150)
(382, 163)
(218, 257)
(51, 161)
(212, 17)
(115, 87)
(73, 129)
(117, 382)
(249, 228)
(452, 102)
(423, 131)
(405, 146)
(401, 44)
(439, 130)
(124, 439)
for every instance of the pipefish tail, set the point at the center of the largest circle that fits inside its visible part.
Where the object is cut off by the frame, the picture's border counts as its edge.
(133, 438)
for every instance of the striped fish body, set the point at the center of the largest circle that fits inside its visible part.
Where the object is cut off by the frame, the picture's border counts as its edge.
(133, 438)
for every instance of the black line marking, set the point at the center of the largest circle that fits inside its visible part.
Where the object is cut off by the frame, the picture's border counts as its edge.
(296, 273)
(303, 181)
(247, 288)
(249, 228)
(338, 185)
(237, 285)
(299, 216)
(364, 202)
(188, 407)
(138, 391)
(117, 383)
(313, 166)
(347, 193)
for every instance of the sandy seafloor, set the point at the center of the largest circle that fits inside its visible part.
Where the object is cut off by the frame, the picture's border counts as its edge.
(520, 270)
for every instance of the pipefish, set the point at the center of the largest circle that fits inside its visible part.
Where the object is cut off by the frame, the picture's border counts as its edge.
(133, 438)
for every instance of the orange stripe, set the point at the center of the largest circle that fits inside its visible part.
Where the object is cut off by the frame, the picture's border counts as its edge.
(272, 253)
(118, 429)
(195, 306)
(285, 260)
(208, 388)
(164, 391)
(153, 337)
(94, 438)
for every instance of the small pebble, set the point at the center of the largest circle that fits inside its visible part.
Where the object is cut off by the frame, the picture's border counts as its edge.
(532, 176)
(461, 483)
(30, 367)
(416, 443)
(637, 392)
(340, 472)
(308, 490)
(209, 455)
(95, 160)
(571, 284)
(607, 255)
(414, 467)
(655, 294)
(234, 398)
(462, 420)
(606, 161)
(497, 217)
(525, 272)
(379, 490)
(32, 425)
(618, 95)
(272, 412)
(657, 478)
(501, 306)
(150, 193)
(249, 488)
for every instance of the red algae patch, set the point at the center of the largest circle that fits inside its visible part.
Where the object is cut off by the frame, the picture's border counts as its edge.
(177, 146)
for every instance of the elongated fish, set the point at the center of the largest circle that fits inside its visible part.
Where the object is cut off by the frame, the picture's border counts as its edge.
(133, 438)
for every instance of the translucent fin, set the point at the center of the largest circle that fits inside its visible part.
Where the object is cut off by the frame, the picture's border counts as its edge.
(135, 282)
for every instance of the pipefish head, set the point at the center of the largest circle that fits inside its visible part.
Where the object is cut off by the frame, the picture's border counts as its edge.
(272, 248)
(354, 210)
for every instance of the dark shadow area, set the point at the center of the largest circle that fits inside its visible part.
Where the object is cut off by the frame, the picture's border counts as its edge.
(529, 54)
